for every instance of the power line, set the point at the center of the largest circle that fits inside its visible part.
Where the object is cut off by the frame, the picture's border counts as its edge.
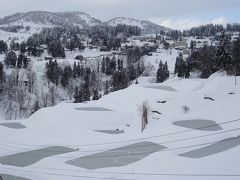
(132, 173)
(154, 174)
(126, 173)
(137, 139)
(149, 152)
(147, 145)
(146, 152)
(64, 175)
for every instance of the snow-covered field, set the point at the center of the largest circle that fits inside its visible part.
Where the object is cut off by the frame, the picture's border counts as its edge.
(66, 125)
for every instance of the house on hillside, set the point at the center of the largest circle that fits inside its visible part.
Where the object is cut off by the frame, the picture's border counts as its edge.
(166, 45)
(235, 36)
(180, 45)
(186, 52)
(47, 58)
(216, 43)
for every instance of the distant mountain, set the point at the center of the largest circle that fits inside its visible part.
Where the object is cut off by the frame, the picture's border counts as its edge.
(46, 18)
(79, 18)
(146, 26)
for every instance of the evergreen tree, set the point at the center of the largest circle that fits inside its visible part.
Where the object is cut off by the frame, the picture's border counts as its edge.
(53, 71)
(71, 45)
(136, 82)
(180, 66)
(162, 73)
(25, 62)
(236, 56)
(98, 67)
(120, 65)
(166, 71)
(103, 67)
(11, 59)
(203, 59)
(2, 77)
(95, 95)
(22, 59)
(1, 73)
(93, 81)
(3, 47)
(87, 77)
(192, 45)
(36, 107)
(223, 56)
(86, 92)
(132, 74)
(23, 47)
(55, 49)
(75, 72)
(107, 88)
(78, 95)
(67, 73)
(120, 80)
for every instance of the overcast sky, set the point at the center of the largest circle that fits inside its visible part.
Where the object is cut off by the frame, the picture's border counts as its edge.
(177, 14)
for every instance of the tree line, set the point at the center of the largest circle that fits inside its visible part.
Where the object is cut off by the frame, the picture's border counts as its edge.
(210, 59)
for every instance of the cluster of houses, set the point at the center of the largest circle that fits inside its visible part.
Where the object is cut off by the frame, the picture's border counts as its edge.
(165, 42)
(184, 44)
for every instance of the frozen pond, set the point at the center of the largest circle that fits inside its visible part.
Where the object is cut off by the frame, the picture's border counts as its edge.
(111, 131)
(117, 157)
(212, 149)
(10, 177)
(13, 125)
(93, 109)
(199, 124)
(165, 88)
(30, 157)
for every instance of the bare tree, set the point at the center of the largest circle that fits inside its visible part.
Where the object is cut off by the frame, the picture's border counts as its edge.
(9, 110)
(31, 78)
(44, 97)
(149, 70)
(144, 110)
(70, 89)
(186, 109)
(21, 98)
(53, 95)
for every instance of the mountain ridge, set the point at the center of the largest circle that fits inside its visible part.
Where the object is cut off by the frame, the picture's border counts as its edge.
(147, 26)
(78, 18)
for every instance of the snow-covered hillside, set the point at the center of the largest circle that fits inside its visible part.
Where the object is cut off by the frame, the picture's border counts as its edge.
(45, 18)
(39, 19)
(72, 126)
(146, 26)
(127, 21)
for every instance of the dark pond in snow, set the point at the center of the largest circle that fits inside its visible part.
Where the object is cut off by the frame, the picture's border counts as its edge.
(111, 131)
(199, 124)
(30, 157)
(165, 88)
(93, 109)
(10, 177)
(13, 125)
(117, 157)
(212, 149)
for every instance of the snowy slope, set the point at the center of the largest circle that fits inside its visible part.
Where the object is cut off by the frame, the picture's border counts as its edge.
(79, 18)
(8, 36)
(68, 126)
(147, 26)
(45, 18)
